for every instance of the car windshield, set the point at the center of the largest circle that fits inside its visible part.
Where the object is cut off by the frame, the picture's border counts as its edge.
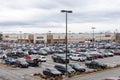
(42, 57)
(69, 67)
(22, 60)
(107, 51)
(76, 65)
(100, 63)
(53, 70)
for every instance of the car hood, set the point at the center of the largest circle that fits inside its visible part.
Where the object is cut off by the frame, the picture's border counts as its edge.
(71, 70)
(56, 72)
(81, 67)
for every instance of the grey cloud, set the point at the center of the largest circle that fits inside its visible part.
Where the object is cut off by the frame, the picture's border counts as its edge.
(44, 4)
(13, 23)
(54, 7)
(59, 19)
(95, 16)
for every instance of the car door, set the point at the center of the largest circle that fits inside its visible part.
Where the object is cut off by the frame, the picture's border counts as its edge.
(74, 57)
(46, 72)
(94, 64)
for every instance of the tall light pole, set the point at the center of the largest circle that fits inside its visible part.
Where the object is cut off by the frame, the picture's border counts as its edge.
(66, 12)
(93, 36)
(20, 36)
(49, 32)
(100, 36)
(69, 36)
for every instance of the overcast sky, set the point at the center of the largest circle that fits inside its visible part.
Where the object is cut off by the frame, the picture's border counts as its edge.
(42, 16)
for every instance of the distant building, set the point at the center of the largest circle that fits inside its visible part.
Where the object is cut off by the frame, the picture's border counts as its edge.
(117, 37)
(18, 37)
(40, 38)
(59, 37)
(10, 37)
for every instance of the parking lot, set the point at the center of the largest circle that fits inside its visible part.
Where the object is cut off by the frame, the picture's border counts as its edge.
(11, 73)
(20, 61)
(99, 75)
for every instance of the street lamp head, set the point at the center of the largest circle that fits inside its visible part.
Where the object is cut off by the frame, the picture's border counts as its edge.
(68, 11)
(63, 10)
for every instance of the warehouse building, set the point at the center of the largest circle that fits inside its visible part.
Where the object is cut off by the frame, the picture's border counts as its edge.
(60, 37)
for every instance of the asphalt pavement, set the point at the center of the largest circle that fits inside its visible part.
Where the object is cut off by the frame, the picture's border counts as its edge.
(98, 75)
(10, 73)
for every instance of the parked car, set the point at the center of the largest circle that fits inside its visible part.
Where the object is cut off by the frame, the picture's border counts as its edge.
(88, 56)
(96, 54)
(10, 61)
(116, 52)
(52, 72)
(32, 51)
(106, 53)
(62, 68)
(109, 53)
(41, 58)
(42, 52)
(77, 67)
(3, 56)
(77, 57)
(60, 58)
(48, 50)
(33, 61)
(21, 62)
(95, 65)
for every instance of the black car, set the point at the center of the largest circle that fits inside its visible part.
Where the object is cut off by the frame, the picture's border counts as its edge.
(60, 58)
(21, 62)
(52, 72)
(77, 67)
(62, 68)
(33, 63)
(96, 65)
(42, 52)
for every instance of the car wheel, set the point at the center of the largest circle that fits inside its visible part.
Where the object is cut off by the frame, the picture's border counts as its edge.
(80, 60)
(16, 65)
(70, 58)
(20, 66)
(54, 60)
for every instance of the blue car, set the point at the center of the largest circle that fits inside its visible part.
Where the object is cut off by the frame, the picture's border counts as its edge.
(10, 61)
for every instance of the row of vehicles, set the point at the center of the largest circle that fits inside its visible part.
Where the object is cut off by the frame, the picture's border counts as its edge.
(25, 61)
(82, 56)
(60, 69)
(77, 53)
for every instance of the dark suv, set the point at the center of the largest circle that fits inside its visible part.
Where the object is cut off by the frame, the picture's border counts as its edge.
(60, 58)
(62, 68)
(21, 62)
(96, 65)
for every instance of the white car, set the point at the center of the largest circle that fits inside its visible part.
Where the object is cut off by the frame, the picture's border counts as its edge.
(39, 57)
(77, 57)
(42, 58)
(110, 54)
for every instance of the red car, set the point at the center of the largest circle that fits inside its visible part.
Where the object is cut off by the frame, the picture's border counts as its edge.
(117, 52)
(32, 61)
(27, 57)
(100, 55)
